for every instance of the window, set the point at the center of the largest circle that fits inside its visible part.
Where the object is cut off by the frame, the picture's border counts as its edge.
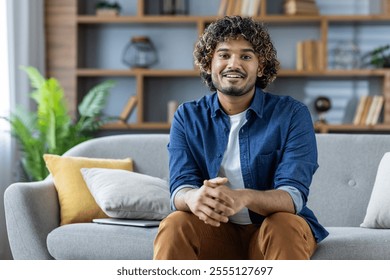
(4, 67)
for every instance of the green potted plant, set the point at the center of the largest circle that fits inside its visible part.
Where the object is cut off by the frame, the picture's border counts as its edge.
(380, 57)
(51, 129)
(105, 8)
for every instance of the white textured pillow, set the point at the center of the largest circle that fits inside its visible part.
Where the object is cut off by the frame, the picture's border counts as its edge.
(126, 194)
(378, 210)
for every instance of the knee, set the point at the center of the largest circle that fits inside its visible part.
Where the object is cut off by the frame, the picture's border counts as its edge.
(282, 223)
(176, 222)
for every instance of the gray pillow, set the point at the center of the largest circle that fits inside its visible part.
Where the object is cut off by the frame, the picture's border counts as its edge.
(378, 209)
(126, 194)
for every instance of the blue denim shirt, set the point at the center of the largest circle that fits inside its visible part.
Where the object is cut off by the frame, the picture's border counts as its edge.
(277, 147)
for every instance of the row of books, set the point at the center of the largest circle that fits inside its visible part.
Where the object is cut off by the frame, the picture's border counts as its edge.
(300, 7)
(310, 55)
(239, 7)
(368, 110)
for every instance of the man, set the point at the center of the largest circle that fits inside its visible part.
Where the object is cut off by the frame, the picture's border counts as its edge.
(241, 160)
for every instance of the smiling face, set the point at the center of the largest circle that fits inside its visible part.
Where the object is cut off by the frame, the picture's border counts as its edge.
(235, 67)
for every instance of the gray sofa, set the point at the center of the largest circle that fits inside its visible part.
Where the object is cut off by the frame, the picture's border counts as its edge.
(339, 196)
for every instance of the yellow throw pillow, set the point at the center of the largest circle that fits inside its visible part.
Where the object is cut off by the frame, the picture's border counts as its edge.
(77, 204)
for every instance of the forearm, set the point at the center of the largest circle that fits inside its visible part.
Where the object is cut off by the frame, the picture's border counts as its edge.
(268, 202)
(180, 201)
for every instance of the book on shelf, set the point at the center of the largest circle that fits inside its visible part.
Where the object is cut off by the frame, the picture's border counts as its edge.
(309, 55)
(239, 7)
(368, 110)
(375, 110)
(128, 109)
(359, 110)
(300, 7)
(385, 7)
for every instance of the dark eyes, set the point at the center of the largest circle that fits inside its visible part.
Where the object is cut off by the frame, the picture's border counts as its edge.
(227, 56)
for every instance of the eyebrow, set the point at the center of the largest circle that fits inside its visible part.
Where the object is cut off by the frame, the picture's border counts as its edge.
(242, 50)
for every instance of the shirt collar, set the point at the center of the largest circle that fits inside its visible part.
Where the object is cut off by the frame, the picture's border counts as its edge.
(257, 104)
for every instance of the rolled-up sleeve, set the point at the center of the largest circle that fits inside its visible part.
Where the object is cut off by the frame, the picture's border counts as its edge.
(299, 161)
(183, 169)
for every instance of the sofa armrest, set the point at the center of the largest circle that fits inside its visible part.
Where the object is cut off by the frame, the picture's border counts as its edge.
(32, 212)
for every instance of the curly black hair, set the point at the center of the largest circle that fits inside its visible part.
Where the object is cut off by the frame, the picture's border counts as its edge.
(234, 27)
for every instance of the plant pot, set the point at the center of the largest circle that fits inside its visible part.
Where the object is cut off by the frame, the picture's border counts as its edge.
(107, 12)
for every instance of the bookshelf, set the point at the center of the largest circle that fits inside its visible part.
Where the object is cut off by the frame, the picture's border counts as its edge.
(66, 54)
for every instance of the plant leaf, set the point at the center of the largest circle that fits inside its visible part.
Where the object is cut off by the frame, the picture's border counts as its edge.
(50, 129)
(53, 118)
(36, 79)
(94, 101)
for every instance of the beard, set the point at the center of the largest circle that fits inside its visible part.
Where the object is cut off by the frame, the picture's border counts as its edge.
(233, 90)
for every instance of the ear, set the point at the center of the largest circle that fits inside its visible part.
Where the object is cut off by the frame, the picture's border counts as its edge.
(259, 72)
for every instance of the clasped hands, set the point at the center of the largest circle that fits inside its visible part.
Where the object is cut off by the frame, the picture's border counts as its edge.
(214, 202)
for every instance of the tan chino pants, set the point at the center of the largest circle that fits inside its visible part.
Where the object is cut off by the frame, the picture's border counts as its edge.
(283, 236)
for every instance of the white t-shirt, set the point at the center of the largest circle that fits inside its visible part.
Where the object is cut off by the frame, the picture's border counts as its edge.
(231, 165)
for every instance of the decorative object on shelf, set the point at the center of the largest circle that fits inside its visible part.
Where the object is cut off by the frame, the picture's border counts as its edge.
(105, 8)
(346, 55)
(140, 53)
(172, 107)
(300, 7)
(51, 130)
(322, 104)
(174, 7)
(380, 57)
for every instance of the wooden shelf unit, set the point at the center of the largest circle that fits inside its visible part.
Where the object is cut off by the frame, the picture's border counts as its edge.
(343, 128)
(62, 18)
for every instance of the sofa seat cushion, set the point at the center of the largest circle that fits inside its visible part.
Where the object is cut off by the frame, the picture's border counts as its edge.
(354, 243)
(101, 242)
(111, 242)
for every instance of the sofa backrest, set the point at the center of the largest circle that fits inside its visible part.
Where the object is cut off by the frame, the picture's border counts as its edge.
(148, 151)
(340, 190)
(342, 185)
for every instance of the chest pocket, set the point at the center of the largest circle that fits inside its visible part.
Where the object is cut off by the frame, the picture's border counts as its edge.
(266, 165)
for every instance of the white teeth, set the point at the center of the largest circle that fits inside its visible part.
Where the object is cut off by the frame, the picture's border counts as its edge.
(233, 76)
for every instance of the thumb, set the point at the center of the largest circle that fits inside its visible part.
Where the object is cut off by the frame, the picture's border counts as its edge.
(215, 182)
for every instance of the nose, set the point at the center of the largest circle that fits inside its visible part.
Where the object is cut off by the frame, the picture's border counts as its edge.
(234, 62)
